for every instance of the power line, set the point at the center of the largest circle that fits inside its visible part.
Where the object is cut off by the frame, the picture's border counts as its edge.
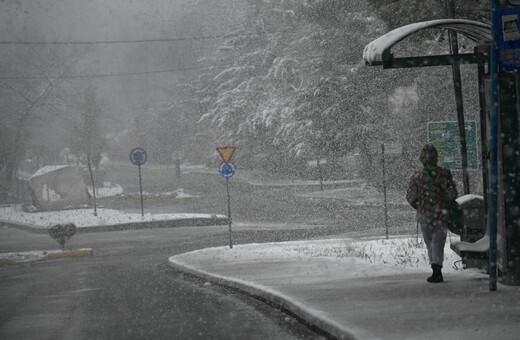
(75, 76)
(99, 42)
(120, 42)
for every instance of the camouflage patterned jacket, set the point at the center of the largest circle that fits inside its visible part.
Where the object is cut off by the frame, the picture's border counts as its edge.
(429, 192)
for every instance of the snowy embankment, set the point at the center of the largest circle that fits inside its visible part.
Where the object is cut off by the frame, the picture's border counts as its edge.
(403, 254)
(85, 217)
(105, 217)
(115, 190)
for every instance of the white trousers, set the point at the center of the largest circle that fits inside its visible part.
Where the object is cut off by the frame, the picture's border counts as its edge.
(434, 235)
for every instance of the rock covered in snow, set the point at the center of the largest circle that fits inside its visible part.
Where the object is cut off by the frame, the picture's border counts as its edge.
(58, 187)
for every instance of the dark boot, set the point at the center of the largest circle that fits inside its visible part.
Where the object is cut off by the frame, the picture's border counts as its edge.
(437, 274)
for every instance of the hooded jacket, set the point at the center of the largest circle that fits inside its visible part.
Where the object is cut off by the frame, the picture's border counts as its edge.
(431, 189)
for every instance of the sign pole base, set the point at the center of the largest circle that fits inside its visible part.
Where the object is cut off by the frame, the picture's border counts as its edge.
(229, 213)
(141, 191)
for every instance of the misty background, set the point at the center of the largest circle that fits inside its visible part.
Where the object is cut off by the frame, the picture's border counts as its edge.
(283, 81)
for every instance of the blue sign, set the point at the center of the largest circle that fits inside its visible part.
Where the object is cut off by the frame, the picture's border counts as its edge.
(509, 39)
(138, 156)
(226, 170)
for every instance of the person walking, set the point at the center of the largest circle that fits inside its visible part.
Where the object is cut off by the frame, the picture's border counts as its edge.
(429, 192)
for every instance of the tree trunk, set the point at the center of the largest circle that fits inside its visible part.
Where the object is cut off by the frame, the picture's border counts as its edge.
(93, 183)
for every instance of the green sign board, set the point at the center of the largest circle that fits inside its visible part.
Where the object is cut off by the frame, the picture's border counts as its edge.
(445, 136)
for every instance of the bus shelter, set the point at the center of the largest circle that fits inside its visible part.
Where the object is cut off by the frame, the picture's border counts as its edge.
(379, 53)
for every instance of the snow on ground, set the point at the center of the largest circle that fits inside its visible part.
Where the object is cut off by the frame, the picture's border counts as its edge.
(85, 217)
(298, 182)
(111, 190)
(108, 190)
(47, 169)
(360, 195)
(402, 254)
(178, 193)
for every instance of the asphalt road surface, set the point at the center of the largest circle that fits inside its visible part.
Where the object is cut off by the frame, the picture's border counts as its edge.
(127, 291)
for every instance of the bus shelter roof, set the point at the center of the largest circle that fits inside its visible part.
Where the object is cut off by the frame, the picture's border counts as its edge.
(378, 52)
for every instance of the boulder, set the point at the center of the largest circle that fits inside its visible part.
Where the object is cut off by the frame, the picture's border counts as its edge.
(58, 187)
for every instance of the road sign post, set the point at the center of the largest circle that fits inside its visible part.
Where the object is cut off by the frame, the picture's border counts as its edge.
(138, 156)
(493, 146)
(227, 170)
(384, 188)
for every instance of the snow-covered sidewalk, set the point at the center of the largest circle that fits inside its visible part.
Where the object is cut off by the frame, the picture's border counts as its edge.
(364, 289)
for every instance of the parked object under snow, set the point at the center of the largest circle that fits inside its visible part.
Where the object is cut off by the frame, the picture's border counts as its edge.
(58, 187)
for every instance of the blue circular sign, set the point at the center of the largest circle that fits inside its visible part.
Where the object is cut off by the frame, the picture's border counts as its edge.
(138, 156)
(226, 170)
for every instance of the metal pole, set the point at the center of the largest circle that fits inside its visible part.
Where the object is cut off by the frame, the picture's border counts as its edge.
(229, 212)
(141, 191)
(417, 234)
(457, 86)
(320, 174)
(93, 183)
(483, 138)
(493, 70)
(384, 188)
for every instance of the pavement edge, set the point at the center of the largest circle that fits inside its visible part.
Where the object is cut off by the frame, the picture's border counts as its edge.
(175, 223)
(51, 256)
(69, 253)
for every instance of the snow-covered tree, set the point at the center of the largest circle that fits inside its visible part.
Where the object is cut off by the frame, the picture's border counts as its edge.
(29, 104)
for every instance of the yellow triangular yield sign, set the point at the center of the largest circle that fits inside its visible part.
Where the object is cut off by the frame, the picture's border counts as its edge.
(226, 153)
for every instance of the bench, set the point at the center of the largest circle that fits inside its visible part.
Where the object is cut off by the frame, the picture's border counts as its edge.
(473, 254)
(476, 250)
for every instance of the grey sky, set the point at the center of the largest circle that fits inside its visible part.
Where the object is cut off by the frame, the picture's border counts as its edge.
(86, 20)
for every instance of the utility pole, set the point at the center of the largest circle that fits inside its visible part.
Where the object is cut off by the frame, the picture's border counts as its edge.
(493, 148)
(384, 188)
(457, 85)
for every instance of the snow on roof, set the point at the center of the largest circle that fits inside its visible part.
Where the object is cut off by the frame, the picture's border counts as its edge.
(474, 30)
(467, 198)
(47, 169)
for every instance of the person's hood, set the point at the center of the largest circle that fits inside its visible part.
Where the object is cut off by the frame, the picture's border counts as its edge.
(429, 155)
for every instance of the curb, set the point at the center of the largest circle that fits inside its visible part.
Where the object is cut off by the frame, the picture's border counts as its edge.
(185, 222)
(69, 253)
(323, 326)
(24, 227)
(6, 262)
(51, 256)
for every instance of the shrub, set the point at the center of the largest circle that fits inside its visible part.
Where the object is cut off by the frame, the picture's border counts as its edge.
(62, 232)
